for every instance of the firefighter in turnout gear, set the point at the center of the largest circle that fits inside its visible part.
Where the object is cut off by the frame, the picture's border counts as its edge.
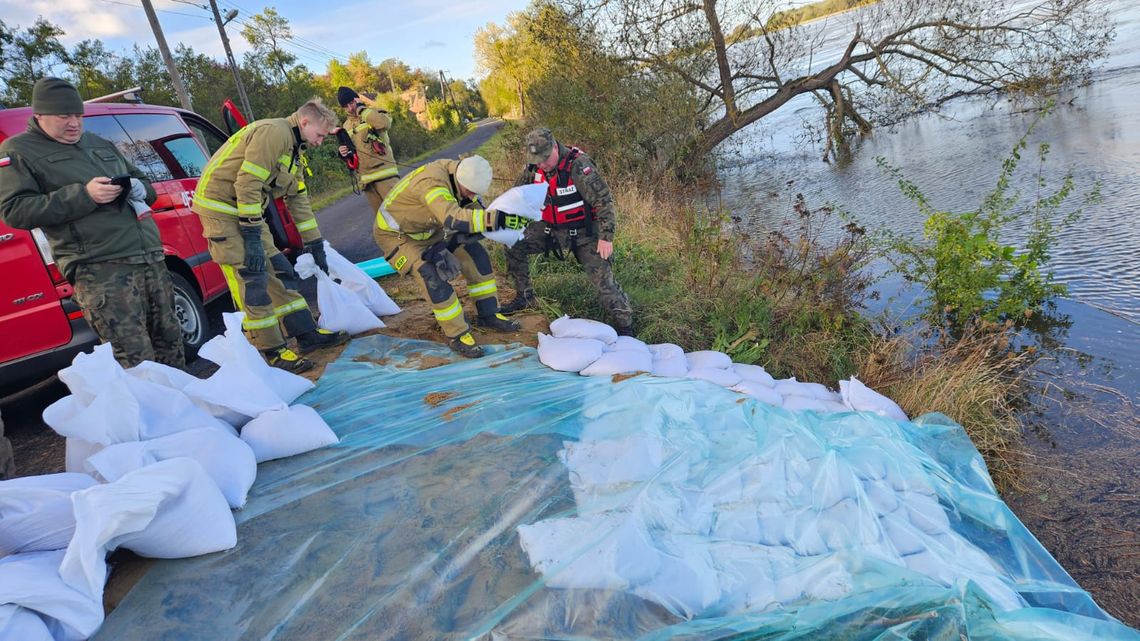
(579, 217)
(263, 161)
(429, 226)
(368, 125)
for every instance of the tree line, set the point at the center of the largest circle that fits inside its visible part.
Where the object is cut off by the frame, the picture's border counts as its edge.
(276, 82)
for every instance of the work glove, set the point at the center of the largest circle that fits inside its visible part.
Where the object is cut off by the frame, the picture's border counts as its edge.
(446, 264)
(317, 249)
(254, 250)
(503, 220)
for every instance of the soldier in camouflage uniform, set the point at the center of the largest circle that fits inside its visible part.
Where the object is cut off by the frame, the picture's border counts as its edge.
(56, 177)
(579, 209)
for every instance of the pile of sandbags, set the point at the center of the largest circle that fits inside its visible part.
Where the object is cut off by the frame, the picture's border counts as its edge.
(349, 299)
(710, 513)
(593, 348)
(156, 460)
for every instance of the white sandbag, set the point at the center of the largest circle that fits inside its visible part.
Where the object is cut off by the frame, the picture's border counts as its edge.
(628, 343)
(75, 453)
(791, 387)
(675, 366)
(926, 514)
(722, 377)
(355, 280)
(35, 511)
(634, 458)
(89, 374)
(686, 582)
(624, 362)
(227, 459)
(609, 551)
(568, 354)
(32, 581)
(21, 624)
(167, 510)
(235, 393)
(708, 359)
(818, 391)
(341, 310)
(803, 403)
(161, 374)
(662, 351)
(758, 391)
(754, 373)
(233, 346)
(567, 327)
(861, 398)
(288, 432)
(126, 408)
(506, 237)
(524, 200)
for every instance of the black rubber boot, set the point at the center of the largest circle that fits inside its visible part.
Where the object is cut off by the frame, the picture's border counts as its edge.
(288, 360)
(624, 330)
(520, 303)
(499, 322)
(317, 339)
(465, 346)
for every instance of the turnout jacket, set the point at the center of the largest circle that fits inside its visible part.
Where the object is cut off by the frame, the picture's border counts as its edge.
(264, 160)
(427, 201)
(591, 187)
(43, 183)
(368, 128)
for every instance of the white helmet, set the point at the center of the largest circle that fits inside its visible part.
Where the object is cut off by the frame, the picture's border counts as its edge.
(474, 174)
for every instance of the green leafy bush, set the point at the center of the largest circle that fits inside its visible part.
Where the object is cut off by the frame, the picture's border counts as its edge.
(970, 271)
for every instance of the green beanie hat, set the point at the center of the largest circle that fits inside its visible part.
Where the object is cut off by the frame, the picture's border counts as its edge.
(54, 96)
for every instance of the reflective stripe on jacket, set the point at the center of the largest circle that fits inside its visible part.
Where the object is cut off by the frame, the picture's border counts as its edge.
(262, 161)
(428, 200)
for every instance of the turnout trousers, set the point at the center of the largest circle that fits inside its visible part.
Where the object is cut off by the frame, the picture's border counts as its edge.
(405, 255)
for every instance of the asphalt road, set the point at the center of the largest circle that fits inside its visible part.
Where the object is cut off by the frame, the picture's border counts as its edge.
(347, 224)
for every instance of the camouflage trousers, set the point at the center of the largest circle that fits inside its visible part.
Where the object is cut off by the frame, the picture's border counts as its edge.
(7, 462)
(131, 306)
(536, 240)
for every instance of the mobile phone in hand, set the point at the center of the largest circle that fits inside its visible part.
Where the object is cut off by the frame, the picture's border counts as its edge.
(123, 180)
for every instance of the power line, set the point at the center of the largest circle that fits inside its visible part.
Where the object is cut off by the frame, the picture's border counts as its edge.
(139, 6)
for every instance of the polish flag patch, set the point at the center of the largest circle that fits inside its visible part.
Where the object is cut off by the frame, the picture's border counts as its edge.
(5, 161)
(585, 170)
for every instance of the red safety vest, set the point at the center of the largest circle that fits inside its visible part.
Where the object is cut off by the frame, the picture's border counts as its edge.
(564, 206)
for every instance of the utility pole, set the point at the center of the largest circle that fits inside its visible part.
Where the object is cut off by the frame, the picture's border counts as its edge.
(175, 77)
(247, 111)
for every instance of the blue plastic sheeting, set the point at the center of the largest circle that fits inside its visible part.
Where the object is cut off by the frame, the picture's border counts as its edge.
(410, 527)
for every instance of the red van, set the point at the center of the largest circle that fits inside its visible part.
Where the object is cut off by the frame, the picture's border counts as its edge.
(41, 329)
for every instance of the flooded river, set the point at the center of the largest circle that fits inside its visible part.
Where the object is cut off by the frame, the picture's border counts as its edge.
(1081, 492)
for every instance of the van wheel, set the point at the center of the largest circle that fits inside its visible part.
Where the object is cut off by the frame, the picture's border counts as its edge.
(191, 315)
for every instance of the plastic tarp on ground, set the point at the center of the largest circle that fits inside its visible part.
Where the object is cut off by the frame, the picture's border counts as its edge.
(499, 499)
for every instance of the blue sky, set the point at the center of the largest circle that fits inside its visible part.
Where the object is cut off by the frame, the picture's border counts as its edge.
(435, 34)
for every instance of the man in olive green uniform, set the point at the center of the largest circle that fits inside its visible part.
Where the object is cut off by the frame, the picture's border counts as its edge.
(579, 217)
(58, 178)
(368, 125)
(429, 226)
(263, 161)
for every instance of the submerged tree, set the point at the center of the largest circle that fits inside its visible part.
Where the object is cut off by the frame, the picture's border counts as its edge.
(870, 66)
